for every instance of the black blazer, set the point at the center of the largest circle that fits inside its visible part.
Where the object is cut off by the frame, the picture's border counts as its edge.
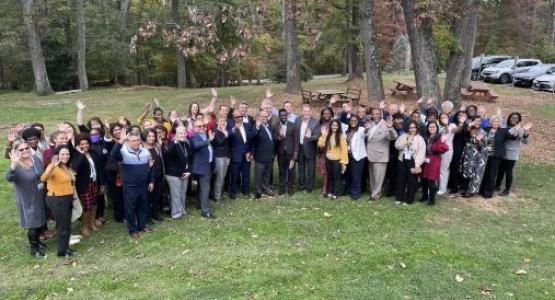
(500, 140)
(263, 145)
(310, 146)
(81, 166)
(287, 146)
(178, 158)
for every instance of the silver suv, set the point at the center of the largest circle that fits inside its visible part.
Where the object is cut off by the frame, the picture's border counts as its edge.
(503, 71)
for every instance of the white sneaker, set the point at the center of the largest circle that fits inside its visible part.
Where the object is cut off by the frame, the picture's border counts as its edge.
(397, 202)
(74, 239)
(440, 193)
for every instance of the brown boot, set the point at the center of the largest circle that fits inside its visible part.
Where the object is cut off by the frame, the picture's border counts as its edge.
(92, 215)
(85, 231)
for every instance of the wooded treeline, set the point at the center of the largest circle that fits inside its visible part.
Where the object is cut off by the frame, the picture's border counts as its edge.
(49, 45)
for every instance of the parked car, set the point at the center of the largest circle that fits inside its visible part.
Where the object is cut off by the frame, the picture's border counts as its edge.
(525, 78)
(487, 61)
(545, 83)
(503, 71)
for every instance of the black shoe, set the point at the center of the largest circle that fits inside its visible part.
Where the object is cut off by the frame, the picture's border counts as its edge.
(466, 195)
(257, 196)
(291, 191)
(158, 218)
(504, 193)
(37, 253)
(498, 188)
(232, 197)
(42, 245)
(68, 252)
(208, 215)
(430, 203)
(423, 199)
(270, 193)
(309, 191)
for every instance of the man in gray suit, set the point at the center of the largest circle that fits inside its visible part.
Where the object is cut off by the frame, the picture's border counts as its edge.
(308, 131)
(379, 133)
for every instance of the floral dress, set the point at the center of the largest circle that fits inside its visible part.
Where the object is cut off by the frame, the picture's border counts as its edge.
(473, 161)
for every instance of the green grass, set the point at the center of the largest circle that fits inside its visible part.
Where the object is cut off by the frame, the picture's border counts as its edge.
(547, 110)
(289, 248)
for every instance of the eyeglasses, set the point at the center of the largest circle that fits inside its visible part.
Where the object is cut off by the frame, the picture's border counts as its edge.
(23, 149)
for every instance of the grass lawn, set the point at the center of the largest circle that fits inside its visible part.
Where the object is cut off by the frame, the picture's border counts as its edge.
(300, 247)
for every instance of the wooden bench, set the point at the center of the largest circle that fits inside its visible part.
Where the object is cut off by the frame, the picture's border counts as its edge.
(352, 94)
(309, 97)
(403, 88)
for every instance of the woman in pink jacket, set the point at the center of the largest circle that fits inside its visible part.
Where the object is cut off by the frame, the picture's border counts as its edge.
(435, 146)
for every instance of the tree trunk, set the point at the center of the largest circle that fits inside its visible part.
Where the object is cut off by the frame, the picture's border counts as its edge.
(552, 23)
(469, 43)
(122, 32)
(181, 75)
(42, 84)
(293, 71)
(461, 30)
(371, 51)
(81, 46)
(423, 51)
(353, 52)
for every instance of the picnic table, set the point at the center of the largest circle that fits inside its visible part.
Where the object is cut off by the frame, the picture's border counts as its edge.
(479, 91)
(403, 87)
(326, 94)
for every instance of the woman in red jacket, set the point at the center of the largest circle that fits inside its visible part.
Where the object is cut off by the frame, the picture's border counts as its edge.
(435, 146)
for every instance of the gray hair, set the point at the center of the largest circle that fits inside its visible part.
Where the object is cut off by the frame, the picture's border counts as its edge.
(133, 134)
(447, 104)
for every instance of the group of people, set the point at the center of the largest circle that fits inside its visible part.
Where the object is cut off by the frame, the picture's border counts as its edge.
(147, 168)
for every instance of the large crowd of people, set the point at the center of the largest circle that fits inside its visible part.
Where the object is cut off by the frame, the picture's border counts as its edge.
(147, 169)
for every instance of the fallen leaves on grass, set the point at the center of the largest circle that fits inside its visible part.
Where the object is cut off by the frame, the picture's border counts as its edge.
(459, 278)
(485, 291)
(521, 272)
(327, 215)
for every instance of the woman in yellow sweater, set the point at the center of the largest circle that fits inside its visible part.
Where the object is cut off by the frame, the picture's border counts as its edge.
(335, 144)
(60, 181)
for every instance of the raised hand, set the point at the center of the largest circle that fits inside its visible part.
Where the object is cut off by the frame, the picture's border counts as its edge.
(334, 99)
(402, 108)
(15, 156)
(325, 130)
(498, 111)
(528, 126)
(78, 148)
(269, 93)
(343, 168)
(80, 105)
(388, 122)
(12, 135)
(232, 101)
(430, 101)
(214, 93)
(420, 100)
(121, 119)
(156, 102)
(382, 104)
(148, 108)
(211, 135)
(123, 135)
(55, 161)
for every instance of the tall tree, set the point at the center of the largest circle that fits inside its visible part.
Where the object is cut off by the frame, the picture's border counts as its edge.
(122, 32)
(42, 84)
(419, 29)
(371, 51)
(181, 75)
(352, 29)
(81, 46)
(463, 30)
(553, 23)
(469, 45)
(291, 47)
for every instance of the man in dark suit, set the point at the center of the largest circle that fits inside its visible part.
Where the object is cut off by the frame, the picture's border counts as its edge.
(201, 166)
(287, 146)
(263, 148)
(308, 131)
(240, 143)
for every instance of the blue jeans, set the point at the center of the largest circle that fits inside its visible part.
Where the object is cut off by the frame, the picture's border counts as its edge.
(136, 207)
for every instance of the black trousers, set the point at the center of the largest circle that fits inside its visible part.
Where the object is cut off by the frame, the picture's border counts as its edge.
(406, 182)
(115, 194)
(391, 176)
(155, 199)
(286, 175)
(100, 204)
(429, 190)
(307, 170)
(333, 170)
(505, 170)
(490, 174)
(61, 207)
(355, 169)
(262, 172)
